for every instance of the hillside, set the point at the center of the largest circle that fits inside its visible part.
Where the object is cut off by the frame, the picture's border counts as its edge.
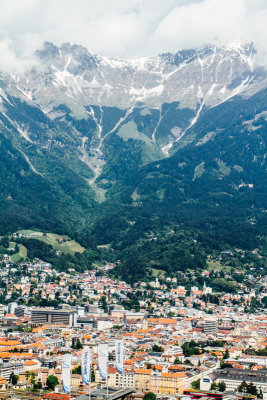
(60, 243)
(211, 194)
(59, 250)
(163, 159)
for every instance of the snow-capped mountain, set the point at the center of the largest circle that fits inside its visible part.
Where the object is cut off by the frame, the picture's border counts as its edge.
(81, 105)
(194, 78)
(72, 80)
(138, 153)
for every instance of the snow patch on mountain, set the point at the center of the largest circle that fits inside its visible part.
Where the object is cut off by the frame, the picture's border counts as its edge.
(70, 79)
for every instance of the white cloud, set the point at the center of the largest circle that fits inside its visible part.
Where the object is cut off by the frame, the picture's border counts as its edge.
(10, 62)
(126, 28)
(212, 21)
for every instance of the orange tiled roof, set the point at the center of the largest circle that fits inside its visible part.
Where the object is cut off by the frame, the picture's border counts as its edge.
(15, 355)
(175, 367)
(10, 316)
(38, 329)
(167, 320)
(143, 330)
(10, 343)
(143, 371)
(86, 337)
(174, 375)
(112, 370)
(30, 362)
(130, 362)
(158, 367)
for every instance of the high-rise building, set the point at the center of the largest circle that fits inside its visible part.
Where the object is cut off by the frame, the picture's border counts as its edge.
(6, 369)
(11, 307)
(41, 316)
(210, 325)
(22, 311)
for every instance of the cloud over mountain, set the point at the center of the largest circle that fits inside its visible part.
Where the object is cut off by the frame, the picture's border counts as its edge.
(127, 29)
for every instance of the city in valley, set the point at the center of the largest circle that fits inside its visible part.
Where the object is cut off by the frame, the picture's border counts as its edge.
(133, 200)
(165, 338)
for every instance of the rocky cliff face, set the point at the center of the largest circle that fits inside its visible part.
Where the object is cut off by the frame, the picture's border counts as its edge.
(94, 121)
(194, 78)
(155, 100)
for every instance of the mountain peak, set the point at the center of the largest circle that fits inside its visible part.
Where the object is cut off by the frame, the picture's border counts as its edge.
(195, 79)
(68, 56)
(49, 50)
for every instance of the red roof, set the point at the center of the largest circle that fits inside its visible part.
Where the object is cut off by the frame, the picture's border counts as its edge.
(55, 396)
(10, 316)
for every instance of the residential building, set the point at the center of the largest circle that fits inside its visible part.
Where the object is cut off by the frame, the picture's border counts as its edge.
(234, 377)
(47, 315)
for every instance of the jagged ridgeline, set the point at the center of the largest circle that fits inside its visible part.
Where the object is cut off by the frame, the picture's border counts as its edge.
(129, 150)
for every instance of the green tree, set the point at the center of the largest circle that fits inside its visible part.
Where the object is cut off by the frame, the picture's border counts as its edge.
(252, 389)
(77, 370)
(37, 386)
(150, 396)
(14, 379)
(52, 382)
(103, 304)
(157, 348)
(188, 362)
(117, 327)
(221, 386)
(226, 365)
(190, 348)
(92, 375)
(196, 384)
(33, 378)
(28, 374)
(242, 388)
(214, 386)
(76, 344)
(226, 354)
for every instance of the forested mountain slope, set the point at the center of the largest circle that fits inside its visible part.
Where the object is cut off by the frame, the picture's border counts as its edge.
(213, 189)
(159, 158)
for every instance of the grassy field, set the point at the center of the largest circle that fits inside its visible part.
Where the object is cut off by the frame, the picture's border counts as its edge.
(216, 265)
(156, 273)
(104, 246)
(68, 246)
(21, 254)
(29, 231)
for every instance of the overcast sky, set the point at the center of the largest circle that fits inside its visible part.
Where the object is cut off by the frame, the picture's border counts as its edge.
(127, 28)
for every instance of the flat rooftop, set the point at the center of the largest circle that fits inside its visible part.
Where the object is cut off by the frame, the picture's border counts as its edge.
(241, 374)
(53, 311)
(113, 394)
